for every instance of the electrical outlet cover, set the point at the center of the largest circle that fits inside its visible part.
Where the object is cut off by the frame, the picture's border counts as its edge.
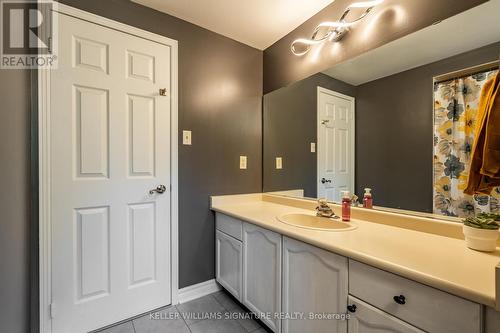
(279, 163)
(186, 138)
(243, 162)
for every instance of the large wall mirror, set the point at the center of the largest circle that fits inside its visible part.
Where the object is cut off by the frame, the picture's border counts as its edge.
(399, 119)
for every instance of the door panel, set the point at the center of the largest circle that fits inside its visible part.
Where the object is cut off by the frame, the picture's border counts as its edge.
(335, 145)
(141, 117)
(110, 237)
(92, 132)
(142, 226)
(92, 251)
(229, 258)
(262, 273)
(314, 281)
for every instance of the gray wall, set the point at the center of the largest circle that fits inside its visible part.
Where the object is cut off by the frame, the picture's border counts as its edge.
(289, 127)
(225, 122)
(394, 131)
(392, 20)
(14, 200)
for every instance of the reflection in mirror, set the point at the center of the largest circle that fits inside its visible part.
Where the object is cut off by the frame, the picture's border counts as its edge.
(401, 119)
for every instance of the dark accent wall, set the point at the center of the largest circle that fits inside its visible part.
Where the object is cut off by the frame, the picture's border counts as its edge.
(14, 201)
(394, 131)
(220, 91)
(290, 125)
(391, 20)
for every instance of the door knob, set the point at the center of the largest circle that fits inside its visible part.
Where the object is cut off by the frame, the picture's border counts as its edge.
(400, 299)
(325, 121)
(351, 308)
(163, 91)
(324, 180)
(159, 189)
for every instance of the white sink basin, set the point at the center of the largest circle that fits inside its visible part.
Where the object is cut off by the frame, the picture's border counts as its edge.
(316, 222)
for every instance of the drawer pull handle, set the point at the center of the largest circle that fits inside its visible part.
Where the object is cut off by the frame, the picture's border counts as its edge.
(351, 308)
(400, 299)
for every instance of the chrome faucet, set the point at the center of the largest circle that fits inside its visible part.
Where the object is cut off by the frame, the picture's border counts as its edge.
(323, 209)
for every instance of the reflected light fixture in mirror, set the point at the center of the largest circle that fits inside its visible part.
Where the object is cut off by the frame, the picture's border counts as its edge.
(334, 31)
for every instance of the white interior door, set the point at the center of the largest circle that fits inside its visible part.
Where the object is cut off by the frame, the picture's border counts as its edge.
(110, 145)
(335, 144)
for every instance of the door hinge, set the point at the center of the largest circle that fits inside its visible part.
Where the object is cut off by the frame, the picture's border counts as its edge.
(52, 309)
(49, 46)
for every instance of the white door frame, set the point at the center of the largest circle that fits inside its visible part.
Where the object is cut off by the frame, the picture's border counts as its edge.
(353, 133)
(44, 222)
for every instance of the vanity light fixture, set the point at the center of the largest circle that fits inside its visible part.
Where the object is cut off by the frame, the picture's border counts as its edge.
(334, 30)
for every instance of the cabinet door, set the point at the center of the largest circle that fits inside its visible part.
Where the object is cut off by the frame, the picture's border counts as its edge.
(314, 284)
(229, 263)
(262, 273)
(365, 318)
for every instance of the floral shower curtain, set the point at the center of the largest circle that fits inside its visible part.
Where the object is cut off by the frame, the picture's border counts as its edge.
(455, 108)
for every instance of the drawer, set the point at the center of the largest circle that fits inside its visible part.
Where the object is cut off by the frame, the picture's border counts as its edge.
(365, 318)
(424, 307)
(229, 225)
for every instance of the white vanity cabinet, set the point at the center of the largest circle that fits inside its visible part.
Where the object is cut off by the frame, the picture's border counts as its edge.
(262, 273)
(314, 282)
(229, 254)
(229, 263)
(275, 275)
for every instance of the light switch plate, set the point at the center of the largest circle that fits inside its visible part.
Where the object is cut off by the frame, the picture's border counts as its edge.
(186, 138)
(313, 147)
(243, 162)
(279, 163)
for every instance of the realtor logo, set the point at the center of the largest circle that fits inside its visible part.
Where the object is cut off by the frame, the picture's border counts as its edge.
(27, 39)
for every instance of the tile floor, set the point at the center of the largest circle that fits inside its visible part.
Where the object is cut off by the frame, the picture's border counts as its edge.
(190, 317)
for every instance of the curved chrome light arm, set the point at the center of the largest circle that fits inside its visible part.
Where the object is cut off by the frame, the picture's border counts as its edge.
(335, 30)
(365, 4)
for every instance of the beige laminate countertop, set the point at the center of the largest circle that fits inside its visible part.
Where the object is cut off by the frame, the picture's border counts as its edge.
(438, 261)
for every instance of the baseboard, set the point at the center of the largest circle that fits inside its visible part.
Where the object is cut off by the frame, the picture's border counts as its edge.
(195, 291)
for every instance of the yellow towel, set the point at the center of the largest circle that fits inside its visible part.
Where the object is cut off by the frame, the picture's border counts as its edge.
(484, 174)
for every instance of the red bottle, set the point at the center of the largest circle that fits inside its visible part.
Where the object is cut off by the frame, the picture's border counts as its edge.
(367, 198)
(346, 206)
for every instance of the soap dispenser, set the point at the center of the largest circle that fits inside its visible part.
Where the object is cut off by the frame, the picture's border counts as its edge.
(367, 198)
(346, 206)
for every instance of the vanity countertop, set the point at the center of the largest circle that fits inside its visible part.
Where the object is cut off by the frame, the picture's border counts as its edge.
(426, 257)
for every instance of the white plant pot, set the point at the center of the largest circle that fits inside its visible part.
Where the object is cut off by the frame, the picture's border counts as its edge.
(481, 239)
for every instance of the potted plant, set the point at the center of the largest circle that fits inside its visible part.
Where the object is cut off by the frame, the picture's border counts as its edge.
(481, 232)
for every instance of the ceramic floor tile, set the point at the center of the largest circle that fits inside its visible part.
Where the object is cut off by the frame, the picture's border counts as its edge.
(225, 300)
(200, 309)
(167, 320)
(122, 328)
(244, 319)
(260, 330)
(217, 326)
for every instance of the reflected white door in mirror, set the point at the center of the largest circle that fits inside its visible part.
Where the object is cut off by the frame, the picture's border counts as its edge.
(335, 144)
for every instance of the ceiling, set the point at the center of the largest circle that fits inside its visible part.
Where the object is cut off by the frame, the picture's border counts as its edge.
(466, 31)
(258, 23)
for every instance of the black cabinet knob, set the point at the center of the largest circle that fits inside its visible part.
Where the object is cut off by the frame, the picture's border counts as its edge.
(351, 308)
(400, 299)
